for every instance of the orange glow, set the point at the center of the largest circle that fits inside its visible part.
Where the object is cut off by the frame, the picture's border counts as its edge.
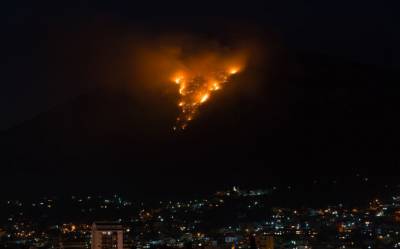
(196, 86)
(204, 98)
(194, 67)
(182, 89)
(215, 86)
(178, 80)
(233, 70)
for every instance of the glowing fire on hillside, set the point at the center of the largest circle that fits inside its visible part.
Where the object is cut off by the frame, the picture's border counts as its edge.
(195, 88)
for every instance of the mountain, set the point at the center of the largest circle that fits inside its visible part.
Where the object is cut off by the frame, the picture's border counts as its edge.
(303, 116)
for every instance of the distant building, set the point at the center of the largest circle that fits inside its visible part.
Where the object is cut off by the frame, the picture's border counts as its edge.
(73, 245)
(231, 239)
(265, 242)
(107, 235)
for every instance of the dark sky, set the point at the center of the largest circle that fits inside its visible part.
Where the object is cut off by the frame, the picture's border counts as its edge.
(331, 101)
(365, 31)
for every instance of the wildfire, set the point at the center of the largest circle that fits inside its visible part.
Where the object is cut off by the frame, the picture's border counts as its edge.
(195, 89)
(194, 66)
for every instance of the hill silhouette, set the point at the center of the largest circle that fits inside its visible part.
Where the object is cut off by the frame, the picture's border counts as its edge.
(314, 115)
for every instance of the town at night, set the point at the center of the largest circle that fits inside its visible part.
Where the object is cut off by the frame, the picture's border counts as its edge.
(170, 124)
(231, 218)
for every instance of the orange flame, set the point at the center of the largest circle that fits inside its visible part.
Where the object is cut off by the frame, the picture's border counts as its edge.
(196, 88)
(196, 67)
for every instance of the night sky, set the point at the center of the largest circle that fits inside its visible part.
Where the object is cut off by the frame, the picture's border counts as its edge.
(323, 103)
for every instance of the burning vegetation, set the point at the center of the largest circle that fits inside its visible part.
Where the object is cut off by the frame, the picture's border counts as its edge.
(189, 69)
(197, 88)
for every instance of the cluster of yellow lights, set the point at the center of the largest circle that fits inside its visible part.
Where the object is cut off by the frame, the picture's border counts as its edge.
(196, 89)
